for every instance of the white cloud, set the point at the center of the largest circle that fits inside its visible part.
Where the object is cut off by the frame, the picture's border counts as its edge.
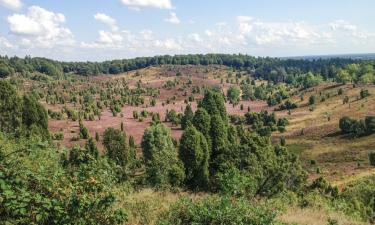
(107, 20)
(109, 37)
(42, 27)
(138, 4)
(173, 18)
(11, 4)
(169, 44)
(5, 43)
(195, 37)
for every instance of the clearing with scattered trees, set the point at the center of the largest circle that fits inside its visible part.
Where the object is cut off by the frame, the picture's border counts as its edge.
(187, 139)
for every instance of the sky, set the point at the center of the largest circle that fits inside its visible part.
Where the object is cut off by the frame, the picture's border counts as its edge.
(97, 30)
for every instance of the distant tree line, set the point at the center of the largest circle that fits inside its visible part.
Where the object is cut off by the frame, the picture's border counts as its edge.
(272, 69)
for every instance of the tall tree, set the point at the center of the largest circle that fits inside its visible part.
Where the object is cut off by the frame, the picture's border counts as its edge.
(117, 149)
(34, 117)
(188, 116)
(219, 144)
(163, 168)
(194, 153)
(10, 108)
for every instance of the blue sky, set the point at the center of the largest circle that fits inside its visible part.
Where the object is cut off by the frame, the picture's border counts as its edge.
(98, 30)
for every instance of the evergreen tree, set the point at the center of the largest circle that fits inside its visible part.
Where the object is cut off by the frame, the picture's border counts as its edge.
(214, 103)
(163, 168)
(34, 117)
(202, 121)
(219, 144)
(91, 148)
(116, 146)
(10, 108)
(194, 153)
(188, 116)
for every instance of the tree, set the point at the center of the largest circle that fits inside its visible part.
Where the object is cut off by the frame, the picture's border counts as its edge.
(188, 116)
(173, 117)
(233, 94)
(310, 80)
(116, 146)
(219, 144)
(10, 108)
(247, 92)
(202, 121)
(34, 117)
(91, 148)
(163, 168)
(343, 76)
(370, 124)
(346, 124)
(83, 132)
(194, 153)
(213, 102)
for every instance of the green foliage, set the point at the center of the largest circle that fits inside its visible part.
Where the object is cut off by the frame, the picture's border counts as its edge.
(311, 80)
(21, 117)
(173, 117)
(359, 198)
(364, 93)
(202, 121)
(357, 127)
(36, 189)
(233, 94)
(312, 100)
(219, 144)
(163, 168)
(371, 157)
(83, 132)
(234, 182)
(116, 147)
(213, 103)
(220, 211)
(91, 147)
(247, 92)
(194, 154)
(188, 117)
(343, 76)
(10, 108)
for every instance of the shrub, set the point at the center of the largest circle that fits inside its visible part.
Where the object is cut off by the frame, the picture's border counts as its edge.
(217, 211)
(364, 93)
(312, 100)
(372, 158)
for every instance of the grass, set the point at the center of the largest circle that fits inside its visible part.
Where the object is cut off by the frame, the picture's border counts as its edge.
(315, 216)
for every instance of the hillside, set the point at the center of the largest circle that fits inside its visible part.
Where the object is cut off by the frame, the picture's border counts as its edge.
(257, 113)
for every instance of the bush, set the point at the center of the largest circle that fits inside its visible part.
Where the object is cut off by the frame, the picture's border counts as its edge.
(357, 127)
(62, 194)
(364, 93)
(372, 158)
(217, 211)
(312, 100)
